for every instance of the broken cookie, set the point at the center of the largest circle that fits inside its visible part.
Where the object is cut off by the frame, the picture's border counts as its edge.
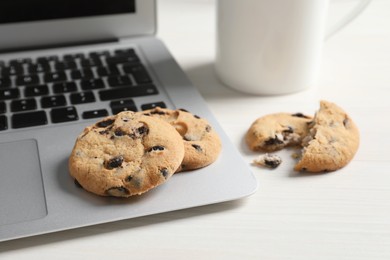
(332, 141)
(329, 141)
(276, 131)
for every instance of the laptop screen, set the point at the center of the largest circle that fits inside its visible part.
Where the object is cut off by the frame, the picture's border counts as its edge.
(13, 11)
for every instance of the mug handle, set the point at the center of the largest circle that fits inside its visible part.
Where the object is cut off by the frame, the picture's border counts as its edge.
(348, 18)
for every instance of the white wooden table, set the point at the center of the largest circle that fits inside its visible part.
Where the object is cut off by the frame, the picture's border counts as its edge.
(339, 215)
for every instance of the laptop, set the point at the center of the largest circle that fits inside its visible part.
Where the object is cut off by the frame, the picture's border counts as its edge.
(64, 65)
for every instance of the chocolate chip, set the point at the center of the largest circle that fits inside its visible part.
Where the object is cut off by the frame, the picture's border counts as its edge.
(273, 141)
(143, 130)
(156, 148)
(208, 128)
(197, 147)
(272, 163)
(114, 163)
(103, 132)
(158, 113)
(197, 117)
(105, 123)
(139, 132)
(164, 172)
(346, 123)
(119, 132)
(118, 191)
(289, 130)
(300, 115)
(184, 110)
(128, 178)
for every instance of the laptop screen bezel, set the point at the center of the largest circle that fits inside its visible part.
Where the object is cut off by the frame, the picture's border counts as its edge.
(84, 29)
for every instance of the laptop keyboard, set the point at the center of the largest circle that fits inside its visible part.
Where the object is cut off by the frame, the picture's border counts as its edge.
(50, 89)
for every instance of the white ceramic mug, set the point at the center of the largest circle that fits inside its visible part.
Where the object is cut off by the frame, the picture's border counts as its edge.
(271, 47)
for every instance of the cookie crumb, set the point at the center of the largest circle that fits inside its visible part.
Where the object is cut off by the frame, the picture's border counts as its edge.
(268, 160)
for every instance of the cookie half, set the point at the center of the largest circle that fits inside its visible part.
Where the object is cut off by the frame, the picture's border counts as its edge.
(332, 141)
(202, 144)
(276, 131)
(126, 154)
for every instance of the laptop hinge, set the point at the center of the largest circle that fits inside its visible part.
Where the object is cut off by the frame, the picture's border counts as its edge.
(60, 45)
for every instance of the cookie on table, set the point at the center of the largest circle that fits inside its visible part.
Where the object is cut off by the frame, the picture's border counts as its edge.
(202, 144)
(275, 131)
(126, 154)
(332, 141)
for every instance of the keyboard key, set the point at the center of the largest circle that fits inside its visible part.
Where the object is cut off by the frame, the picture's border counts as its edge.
(55, 76)
(72, 57)
(119, 81)
(130, 92)
(92, 84)
(91, 62)
(53, 101)
(5, 82)
(47, 59)
(20, 61)
(65, 65)
(81, 98)
(28, 119)
(3, 108)
(153, 105)
(12, 70)
(9, 93)
(27, 80)
(64, 87)
(23, 105)
(39, 67)
(122, 105)
(122, 59)
(66, 114)
(36, 90)
(108, 71)
(139, 73)
(95, 113)
(102, 53)
(82, 74)
(3, 123)
(124, 52)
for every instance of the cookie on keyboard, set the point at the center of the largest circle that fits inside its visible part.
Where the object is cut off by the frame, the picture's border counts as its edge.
(201, 143)
(126, 154)
(276, 131)
(332, 141)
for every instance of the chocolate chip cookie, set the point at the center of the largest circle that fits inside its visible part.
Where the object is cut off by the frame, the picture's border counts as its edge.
(126, 154)
(332, 141)
(202, 144)
(276, 131)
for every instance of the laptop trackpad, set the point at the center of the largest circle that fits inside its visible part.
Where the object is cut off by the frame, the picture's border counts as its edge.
(21, 189)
